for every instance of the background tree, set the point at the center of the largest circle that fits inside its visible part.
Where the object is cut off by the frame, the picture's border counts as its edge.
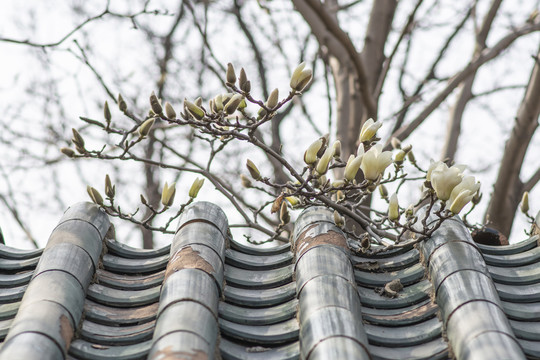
(412, 65)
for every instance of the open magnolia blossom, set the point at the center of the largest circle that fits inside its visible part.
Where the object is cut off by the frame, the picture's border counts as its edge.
(375, 161)
(463, 193)
(444, 179)
(451, 186)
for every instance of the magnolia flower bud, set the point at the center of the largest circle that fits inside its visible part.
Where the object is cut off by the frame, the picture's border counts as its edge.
(230, 75)
(107, 112)
(169, 111)
(310, 156)
(143, 200)
(167, 195)
(300, 77)
(338, 183)
(383, 191)
(122, 104)
(194, 110)
(77, 139)
(245, 181)
(198, 101)
(68, 152)
(253, 171)
(338, 219)
(218, 103)
(340, 196)
(145, 128)
(94, 195)
(411, 157)
(195, 187)
(400, 156)
(336, 146)
(284, 215)
(525, 203)
(155, 105)
(351, 169)
(393, 208)
(246, 87)
(233, 103)
(369, 129)
(395, 142)
(110, 189)
(245, 84)
(322, 165)
(273, 99)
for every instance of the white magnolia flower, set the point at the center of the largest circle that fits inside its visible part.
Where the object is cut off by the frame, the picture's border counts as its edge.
(369, 129)
(375, 161)
(463, 193)
(444, 180)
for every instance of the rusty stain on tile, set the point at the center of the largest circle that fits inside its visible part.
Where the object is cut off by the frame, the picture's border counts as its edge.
(169, 354)
(66, 330)
(306, 241)
(187, 258)
(134, 314)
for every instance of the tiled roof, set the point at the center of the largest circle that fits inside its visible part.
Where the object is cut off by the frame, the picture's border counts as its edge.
(86, 296)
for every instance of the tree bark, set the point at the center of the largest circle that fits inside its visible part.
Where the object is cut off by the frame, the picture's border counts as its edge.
(508, 187)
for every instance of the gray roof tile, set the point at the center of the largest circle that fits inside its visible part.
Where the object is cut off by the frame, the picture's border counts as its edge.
(207, 293)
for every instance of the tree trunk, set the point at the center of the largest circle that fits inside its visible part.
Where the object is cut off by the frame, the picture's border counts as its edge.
(508, 188)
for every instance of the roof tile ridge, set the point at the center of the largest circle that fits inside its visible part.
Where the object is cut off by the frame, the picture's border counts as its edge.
(472, 313)
(52, 305)
(187, 318)
(329, 304)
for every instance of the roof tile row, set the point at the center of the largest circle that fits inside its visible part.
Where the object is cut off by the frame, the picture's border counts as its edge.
(208, 294)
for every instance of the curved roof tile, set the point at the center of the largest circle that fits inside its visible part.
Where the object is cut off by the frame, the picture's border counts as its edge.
(207, 294)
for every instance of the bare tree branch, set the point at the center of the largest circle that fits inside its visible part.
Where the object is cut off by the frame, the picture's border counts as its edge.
(465, 92)
(485, 56)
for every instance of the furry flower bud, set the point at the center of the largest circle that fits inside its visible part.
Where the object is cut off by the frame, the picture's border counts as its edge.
(169, 111)
(195, 187)
(154, 103)
(145, 128)
(94, 195)
(167, 195)
(393, 208)
(230, 75)
(300, 77)
(253, 171)
(194, 110)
